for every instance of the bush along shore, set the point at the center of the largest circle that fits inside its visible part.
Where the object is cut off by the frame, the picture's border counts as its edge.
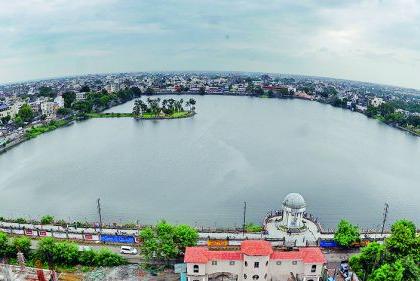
(54, 254)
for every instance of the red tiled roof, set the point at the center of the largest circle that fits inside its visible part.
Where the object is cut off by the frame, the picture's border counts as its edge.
(196, 255)
(256, 248)
(224, 255)
(308, 255)
(203, 255)
(253, 248)
(312, 255)
(286, 255)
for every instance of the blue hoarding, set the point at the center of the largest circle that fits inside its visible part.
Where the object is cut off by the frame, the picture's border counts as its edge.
(118, 239)
(327, 244)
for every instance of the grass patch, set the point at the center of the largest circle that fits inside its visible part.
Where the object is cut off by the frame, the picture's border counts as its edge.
(52, 125)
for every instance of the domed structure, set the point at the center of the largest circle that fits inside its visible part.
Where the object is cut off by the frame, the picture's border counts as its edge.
(294, 201)
(294, 206)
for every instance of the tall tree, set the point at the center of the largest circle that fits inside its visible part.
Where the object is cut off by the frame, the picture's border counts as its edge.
(69, 98)
(26, 112)
(346, 234)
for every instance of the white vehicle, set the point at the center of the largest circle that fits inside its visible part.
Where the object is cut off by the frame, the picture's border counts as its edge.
(84, 248)
(128, 250)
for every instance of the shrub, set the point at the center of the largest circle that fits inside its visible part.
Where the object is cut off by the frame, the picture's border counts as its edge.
(346, 234)
(22, 244)
(87, 258)
(47, 219)
(105, 257)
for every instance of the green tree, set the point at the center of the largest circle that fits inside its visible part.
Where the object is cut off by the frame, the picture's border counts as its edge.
(136, 91)
(88, 258)
(4, 244)
(166, 241)
(403, 241)
(45, 250)
(368, 259)
(105, 257)
(346, 234)
(65, 253)
(386, 109)
(69, 98)
(388, 272)
(26, 113)
(371, 111)
(64, 111)
(149, 91)
(47, 219)
(46, 92)
(22, 244)
(398, 256)
(185, 236)
(5, 119)
(85, 88)
(202, 90)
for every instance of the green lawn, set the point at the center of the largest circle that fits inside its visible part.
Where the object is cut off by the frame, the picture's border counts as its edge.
(36, 131)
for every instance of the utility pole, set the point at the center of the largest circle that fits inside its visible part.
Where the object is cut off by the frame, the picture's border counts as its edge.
(384, 220)
(243, 226)
(100, 214)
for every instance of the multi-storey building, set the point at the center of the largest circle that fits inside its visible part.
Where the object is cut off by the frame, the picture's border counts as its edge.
(255, 260)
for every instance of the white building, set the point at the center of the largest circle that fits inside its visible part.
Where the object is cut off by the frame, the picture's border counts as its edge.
(80, 96)
(376, 101)
(48, 108)
(294, 207)
(255, 260)
(59, 100)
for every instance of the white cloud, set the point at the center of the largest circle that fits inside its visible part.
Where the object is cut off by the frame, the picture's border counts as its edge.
(365, 40)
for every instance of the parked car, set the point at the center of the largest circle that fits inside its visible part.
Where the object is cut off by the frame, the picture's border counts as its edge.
(128, 250)
(84, 248)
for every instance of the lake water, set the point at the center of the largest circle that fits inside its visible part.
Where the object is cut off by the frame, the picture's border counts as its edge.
(201, 170)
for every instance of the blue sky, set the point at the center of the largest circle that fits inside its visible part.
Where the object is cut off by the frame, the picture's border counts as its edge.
(377, 41)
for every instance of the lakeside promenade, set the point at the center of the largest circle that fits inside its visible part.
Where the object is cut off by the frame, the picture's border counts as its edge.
(92, 234)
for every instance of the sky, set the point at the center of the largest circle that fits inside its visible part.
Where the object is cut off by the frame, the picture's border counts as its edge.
(374, 41)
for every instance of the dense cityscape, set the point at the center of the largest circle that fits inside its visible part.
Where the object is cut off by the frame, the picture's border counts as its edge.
(30, 108)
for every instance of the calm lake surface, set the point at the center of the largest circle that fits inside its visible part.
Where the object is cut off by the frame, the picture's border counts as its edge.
(201, 170)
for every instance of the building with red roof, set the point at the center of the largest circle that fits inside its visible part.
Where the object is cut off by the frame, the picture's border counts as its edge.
(255, 260)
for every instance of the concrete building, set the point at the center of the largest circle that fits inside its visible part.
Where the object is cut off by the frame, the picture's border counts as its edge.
(4, 110)
(255, 260)
(376, 101)
(81, 96)
(48, 108)
(294, 207)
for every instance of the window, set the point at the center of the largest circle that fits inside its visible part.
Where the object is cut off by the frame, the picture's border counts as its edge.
(246, 263)
(313, 268)
(195, 268)
(256, 265)
(232, 263)
(294, 262)
(255, 277)
(245, 276)
(278, 262)
(213, 262)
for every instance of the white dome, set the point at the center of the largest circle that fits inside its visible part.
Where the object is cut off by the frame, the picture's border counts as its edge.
(294, 201)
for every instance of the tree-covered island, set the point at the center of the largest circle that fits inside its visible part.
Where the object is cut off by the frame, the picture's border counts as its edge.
(154, 108)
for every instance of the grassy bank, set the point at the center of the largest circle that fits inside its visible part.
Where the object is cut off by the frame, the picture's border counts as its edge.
(181, 114)
(52, 125)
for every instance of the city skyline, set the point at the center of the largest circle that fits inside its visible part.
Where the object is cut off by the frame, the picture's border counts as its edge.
(372, 41)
